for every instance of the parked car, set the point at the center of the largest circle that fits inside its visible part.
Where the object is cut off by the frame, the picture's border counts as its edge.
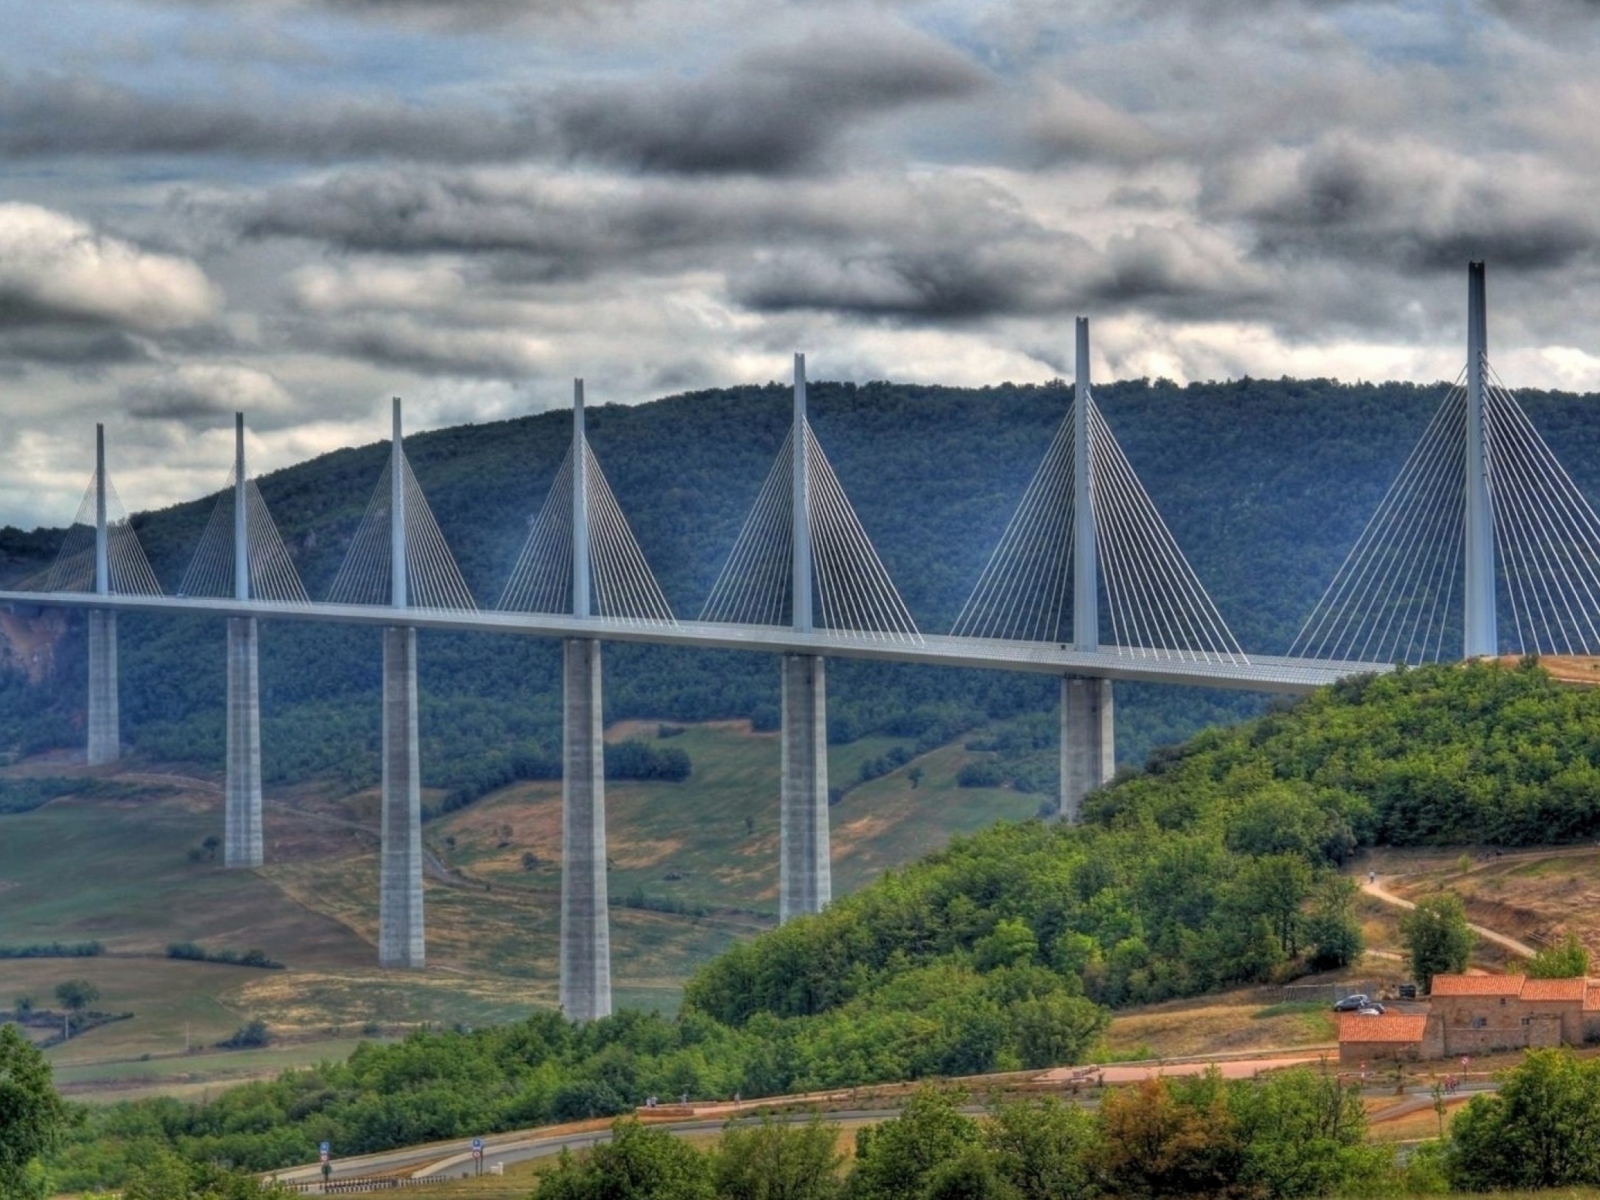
(1407, 991)
(1370, 1010)
(1353, 1003)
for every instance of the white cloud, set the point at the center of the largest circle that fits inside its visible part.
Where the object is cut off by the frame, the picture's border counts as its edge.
(56, 268)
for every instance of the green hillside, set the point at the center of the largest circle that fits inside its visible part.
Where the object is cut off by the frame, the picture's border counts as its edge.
(1265, 485)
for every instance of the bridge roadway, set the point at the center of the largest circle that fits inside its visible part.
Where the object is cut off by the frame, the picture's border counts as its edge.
(1261, 673)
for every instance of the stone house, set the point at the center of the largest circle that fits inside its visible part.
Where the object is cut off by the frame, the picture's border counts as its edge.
(1372, 1041)
(1477, 1014)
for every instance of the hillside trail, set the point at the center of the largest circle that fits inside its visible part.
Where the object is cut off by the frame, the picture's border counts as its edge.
(1377, 891)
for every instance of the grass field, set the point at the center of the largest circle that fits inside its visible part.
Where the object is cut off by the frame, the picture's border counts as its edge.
(122, 872)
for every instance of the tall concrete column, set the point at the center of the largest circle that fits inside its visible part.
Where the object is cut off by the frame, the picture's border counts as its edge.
(105, 741)
(805, 875)
(400, 931)
(105, 725)
(1088, 739)
(1480, 636)
(1088, 743)
(585, 908)
(805, 883)
(242, 846)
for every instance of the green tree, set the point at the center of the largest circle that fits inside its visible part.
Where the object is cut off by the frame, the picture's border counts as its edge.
(1304, 1135)
(1437, 936)
(896, 1160)
(32, 1116)
(636, 1164)
(165, 1175)
(76, 994)
(1042, 1148)
(777, 1162)
(970, 1175)
(1332, 929)
(1170, 1137)
(1539, 1131)
(1568, 960)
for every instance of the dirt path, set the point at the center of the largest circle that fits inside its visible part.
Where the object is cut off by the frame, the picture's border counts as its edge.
(1378, 892)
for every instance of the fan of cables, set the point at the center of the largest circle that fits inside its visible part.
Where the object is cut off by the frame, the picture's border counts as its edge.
(1397, 595)
(542, 579)
(852, 590)
(1153, 602)
(128, 570)
(432, 578)
(272, 571)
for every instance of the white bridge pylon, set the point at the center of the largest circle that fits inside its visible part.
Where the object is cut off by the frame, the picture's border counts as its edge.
(1481, 514)
(582, 521)
(1086, 522)
(802, 558)
(398, 556)
(101, 552)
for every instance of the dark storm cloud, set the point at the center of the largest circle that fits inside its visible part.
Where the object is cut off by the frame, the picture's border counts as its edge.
(1412, 207)
(84, 345)
(772, 110)
(947, 250)
(48, 116)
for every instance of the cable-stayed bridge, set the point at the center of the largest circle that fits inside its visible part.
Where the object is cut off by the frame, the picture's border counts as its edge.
(1086, 583)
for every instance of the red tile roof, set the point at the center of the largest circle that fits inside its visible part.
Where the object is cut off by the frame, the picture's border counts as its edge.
(1555, 989)
(1391, 1027)
(1477, 985)
(1591, 998)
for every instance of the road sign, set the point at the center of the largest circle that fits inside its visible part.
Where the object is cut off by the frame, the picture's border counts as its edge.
(477, 1145)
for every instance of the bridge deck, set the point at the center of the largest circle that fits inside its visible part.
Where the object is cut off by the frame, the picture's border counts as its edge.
(1265, 673)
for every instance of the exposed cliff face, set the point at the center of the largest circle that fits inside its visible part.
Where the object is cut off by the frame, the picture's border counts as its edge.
(29, 642)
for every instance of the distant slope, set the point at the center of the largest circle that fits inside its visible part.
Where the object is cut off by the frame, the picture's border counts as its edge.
(1265, 485)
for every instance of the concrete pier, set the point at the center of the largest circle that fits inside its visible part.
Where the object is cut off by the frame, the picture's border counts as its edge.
(400, 937)
(105, 739)
(585, 906)
(805, 881)
(242, 820)
(1088, 741)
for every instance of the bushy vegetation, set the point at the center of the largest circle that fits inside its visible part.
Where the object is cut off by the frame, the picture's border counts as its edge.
(1293, 1134)
(193, 952)
(1446, 755)
(54, 950)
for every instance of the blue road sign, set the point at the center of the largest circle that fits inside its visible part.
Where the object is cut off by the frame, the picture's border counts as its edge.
(477, 1143)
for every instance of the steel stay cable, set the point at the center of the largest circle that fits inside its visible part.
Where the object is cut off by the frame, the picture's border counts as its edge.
(1526, 499)
(1134, 638)
(1160, 599)
(1430, 479)
(896, 616)
(1343, 620)
(1201, 613)
(1563, 501)
(1341, 579)
(1011, 534)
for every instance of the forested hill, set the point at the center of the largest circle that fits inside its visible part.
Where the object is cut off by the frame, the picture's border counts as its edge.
(1264, 484)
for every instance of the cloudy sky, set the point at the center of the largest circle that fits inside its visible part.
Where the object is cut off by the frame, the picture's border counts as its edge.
(301, 207)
